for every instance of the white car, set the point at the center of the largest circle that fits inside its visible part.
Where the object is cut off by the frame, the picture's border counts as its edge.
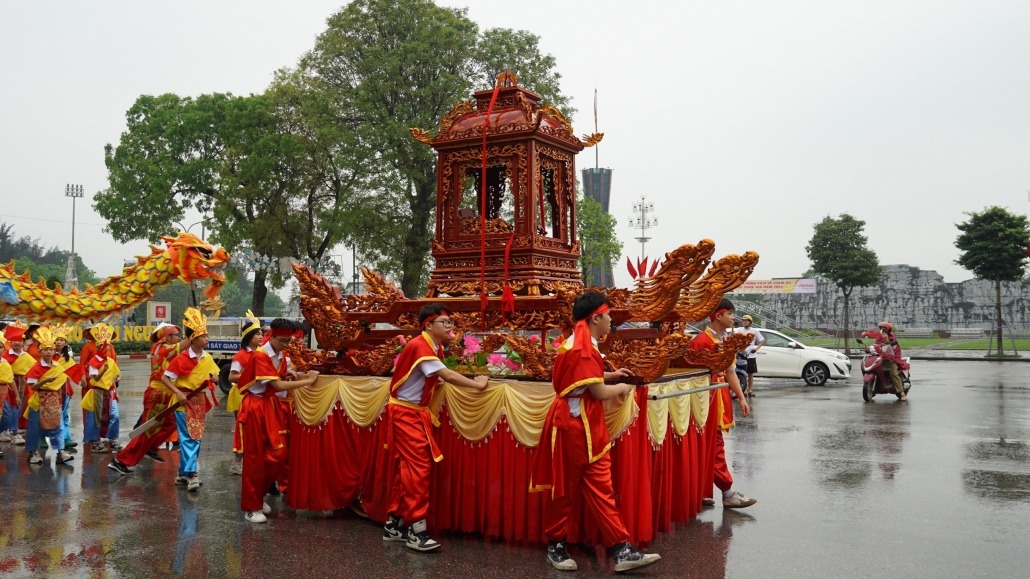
(785, 357)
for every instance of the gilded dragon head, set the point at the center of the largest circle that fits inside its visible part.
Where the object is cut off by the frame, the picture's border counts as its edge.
(193, 259)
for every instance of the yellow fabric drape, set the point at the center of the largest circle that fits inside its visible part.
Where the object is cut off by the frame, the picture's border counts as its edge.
(362, 398)
(679, 409)
(475, 414)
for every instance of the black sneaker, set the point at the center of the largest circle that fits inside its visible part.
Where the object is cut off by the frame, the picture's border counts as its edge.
(627, 557)
(175, 446)
(559, 558)
(418, 538)
(274, 489)
(394, 531)
(154, 456)
(119, 467)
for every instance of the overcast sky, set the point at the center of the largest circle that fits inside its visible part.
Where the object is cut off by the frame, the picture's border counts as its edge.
(744, 122)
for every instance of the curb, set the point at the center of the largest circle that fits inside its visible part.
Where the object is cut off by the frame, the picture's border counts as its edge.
(940, 359)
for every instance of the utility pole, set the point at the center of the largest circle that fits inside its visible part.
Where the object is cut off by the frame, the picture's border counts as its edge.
(71, 278)
(643, 220)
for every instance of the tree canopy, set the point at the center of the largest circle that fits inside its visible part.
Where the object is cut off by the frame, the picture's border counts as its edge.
(839, 254)
(235, 158)
(598, 243)
(994, 244)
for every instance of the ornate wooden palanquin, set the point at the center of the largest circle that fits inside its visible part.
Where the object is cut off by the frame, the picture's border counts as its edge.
(531, 196)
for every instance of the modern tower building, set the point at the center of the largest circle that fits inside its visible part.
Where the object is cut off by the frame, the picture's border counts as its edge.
(597, 184)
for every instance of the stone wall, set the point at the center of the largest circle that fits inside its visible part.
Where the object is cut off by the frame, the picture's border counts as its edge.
(908, 297)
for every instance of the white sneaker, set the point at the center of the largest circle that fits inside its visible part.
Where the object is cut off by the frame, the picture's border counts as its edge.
(35, 458)
(193, 485)
(236, 468)
(181, 480)
(64, 456)
(265, 509)
(5, 436)
(256, 517)
(738, 501)
(18, 439)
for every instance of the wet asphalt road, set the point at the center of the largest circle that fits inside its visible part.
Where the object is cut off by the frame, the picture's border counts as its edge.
(937, 487)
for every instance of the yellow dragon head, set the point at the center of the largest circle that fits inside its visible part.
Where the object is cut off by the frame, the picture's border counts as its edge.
(193, 259)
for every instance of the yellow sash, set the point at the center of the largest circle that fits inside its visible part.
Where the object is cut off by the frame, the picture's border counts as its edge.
(23, 364)
(6, 373)
(57, 373)
(195, 379)
(105, 383)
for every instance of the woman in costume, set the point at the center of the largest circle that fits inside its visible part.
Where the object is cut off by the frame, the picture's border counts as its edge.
(100, 402)
(47, 379)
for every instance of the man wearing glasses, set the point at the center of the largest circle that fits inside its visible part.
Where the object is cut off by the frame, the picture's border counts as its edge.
(409, 422)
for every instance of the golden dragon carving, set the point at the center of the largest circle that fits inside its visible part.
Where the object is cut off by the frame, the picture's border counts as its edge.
(185, 257)
(725, 275)
(655, 297)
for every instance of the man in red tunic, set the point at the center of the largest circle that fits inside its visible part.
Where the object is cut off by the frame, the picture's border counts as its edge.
(410, 424)
(262, 382)
(572, 456)
(720, 414)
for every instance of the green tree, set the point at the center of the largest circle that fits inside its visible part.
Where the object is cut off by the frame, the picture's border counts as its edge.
(235, 158)
(31, 255)
(994, 245)
(599, 246)
(387, 66)
(839, 254)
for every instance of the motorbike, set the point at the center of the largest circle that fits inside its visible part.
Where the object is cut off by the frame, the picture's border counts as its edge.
(875, 380)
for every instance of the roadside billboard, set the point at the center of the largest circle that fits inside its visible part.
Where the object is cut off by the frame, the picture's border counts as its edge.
(777, 286)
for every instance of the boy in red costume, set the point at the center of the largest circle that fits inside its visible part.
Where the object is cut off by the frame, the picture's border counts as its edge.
(251, 341)
(167, 344)
(20, 362)
(720, 413)
(410, 426)
(263, 420)
(100, 402)
(572, 456)
(48, 380)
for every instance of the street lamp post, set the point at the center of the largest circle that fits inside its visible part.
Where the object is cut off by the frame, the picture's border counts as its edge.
(71, 278)
(643, 220)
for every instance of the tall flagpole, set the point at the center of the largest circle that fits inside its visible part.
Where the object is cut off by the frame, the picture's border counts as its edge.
(597, 162)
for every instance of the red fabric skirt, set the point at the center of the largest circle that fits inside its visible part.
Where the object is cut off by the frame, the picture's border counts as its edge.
(483, 487)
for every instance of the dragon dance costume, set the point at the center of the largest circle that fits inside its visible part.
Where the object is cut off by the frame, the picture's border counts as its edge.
(43, 409)
(100, 401)
(155, 399)
(720, 420)
(21, 362)
(191, 371)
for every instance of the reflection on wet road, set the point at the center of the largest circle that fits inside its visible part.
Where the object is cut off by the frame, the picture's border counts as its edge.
(938, 487)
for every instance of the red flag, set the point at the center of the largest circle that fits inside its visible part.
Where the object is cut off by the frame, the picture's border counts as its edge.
(642, 267)
(654, 266)
(75, 372)
(629, 266)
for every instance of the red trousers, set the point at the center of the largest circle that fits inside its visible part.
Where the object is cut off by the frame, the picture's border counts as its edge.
(594, 481)
(264, 448)
(153, 402)
(412, 455)
(715, 470)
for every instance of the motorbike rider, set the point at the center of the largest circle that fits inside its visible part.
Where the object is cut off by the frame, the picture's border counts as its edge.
(887, 347)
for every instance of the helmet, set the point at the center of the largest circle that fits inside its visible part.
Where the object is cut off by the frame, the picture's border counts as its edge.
(886, 326)
(748, 318)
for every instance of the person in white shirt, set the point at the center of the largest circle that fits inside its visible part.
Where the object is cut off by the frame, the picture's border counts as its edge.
(757, 341)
